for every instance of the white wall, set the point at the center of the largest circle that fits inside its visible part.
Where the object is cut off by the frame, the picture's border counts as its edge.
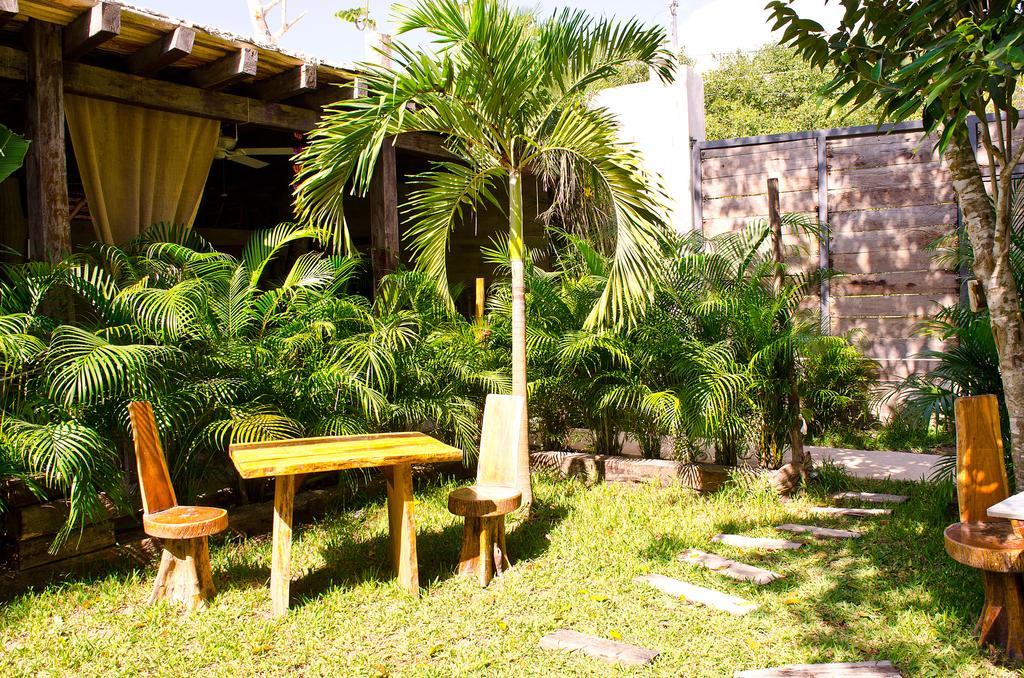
(662, 120)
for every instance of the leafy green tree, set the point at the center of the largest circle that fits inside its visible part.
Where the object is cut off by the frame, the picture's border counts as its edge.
(770, 91)
(506, 92)
(945, 60)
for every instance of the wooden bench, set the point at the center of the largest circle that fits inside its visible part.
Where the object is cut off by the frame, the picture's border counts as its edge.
(989, 544)
(184, 574)
(485, 504)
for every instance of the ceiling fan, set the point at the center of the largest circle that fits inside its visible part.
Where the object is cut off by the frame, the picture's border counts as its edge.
(227, 149)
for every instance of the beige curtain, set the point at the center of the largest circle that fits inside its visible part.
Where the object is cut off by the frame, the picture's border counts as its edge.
(139, 166)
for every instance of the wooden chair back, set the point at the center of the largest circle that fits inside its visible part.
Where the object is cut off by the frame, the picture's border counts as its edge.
(498, 463)
(154, 478)
(980, 466)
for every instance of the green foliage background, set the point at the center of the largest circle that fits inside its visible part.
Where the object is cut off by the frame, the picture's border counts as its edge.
(771, 91)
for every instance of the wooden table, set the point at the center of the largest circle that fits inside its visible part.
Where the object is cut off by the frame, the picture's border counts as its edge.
(1011, 508)
(288, 460)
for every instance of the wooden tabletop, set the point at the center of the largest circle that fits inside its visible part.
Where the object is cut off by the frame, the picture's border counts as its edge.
(314, 455)
(1012, 508)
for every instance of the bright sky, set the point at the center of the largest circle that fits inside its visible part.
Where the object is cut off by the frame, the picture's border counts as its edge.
(706, 27)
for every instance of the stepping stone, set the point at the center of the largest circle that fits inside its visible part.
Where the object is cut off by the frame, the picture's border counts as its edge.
(692, 593)
(765, 543)
(729, 568)
(852, 512)
(879, 669)
(609, 650)
(819, 532)
(871, 497)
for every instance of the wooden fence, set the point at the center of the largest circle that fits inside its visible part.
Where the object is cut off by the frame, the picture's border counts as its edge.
(886, 195)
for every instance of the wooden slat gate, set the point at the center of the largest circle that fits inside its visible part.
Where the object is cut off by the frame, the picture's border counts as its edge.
(885, 194)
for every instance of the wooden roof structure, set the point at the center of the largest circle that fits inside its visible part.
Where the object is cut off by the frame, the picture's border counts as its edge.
(119, 52)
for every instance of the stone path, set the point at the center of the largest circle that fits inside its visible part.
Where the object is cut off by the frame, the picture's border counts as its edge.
(728, 568)
(870, 497)
(819, 532)
(692, 593)
(851, 512)
(878, 465)
(610, 651)
(876, 669)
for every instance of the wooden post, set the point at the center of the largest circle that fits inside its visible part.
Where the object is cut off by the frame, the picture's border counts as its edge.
(384, 214)
(775, 221)
(799, 457)
(402, 527)
(49, 228)
(825, 241)
(479, 300)
(280, 566)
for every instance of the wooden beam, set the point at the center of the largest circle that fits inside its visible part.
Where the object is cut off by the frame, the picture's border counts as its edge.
(163, 52)
(103, 83)
(293, 82)
(232, 69)
(423, 143)
(49, 229)
(91, 29)
(13, 64)
(384, 214)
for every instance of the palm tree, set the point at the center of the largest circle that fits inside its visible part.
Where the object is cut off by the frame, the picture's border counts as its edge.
(507, 92)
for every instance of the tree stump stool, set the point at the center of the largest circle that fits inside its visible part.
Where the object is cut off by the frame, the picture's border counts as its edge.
(998, 551)
(483, 537)
(185, 576)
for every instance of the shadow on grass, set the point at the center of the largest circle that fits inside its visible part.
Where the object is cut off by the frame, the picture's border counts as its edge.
(350, 561)
(897, 571)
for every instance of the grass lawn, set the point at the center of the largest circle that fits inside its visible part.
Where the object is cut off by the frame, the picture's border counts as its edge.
(893, 594)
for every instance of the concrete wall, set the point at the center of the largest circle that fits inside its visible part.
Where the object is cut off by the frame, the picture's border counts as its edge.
(663, 121)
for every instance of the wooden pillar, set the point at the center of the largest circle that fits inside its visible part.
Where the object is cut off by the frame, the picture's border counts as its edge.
(800, 459)
(480, 299)
(384, 214)
(49, 228)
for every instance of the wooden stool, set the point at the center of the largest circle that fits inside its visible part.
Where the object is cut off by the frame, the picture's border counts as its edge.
(991, 545)
(485, 504)
(184, 574)
(483, 537)
(996, 550)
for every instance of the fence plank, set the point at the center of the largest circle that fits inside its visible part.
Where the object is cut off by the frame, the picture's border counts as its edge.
(800, 201)
(888, 327)
(912, 305)
(897, 348)
(923, 174)
(878, 155)
(920, 282)
(883, 261)
(751, 149)
(805, 179)
(853, 199)
(911, 139)
(898, 217)
(767, 161)
(903, 238)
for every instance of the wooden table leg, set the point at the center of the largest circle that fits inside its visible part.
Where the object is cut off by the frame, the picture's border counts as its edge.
(402, 527)
(1002, 618)
(280, 567)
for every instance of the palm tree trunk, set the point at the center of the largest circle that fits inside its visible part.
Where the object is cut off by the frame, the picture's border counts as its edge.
(989, 233)
(515, 235)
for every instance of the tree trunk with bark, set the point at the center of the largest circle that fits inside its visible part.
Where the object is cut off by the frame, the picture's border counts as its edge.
(989, 230)
(516, 250)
